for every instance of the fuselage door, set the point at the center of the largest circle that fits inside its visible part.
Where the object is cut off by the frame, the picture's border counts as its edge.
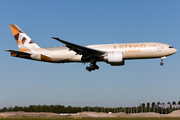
(159, 48)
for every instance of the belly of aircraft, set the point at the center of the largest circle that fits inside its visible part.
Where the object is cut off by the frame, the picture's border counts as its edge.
(65, 56)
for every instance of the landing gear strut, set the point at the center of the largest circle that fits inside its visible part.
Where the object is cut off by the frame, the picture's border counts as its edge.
(162, 58)
(92, 66)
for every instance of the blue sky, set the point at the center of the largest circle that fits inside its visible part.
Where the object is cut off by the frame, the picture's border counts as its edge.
(24, 82)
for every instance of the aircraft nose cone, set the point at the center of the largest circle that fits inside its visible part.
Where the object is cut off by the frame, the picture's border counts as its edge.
(172, 51)
(175, 50)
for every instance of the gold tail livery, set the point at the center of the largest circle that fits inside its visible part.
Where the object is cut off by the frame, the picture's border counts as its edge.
(113, 54)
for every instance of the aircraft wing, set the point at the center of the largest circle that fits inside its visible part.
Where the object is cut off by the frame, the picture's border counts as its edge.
(81, 50)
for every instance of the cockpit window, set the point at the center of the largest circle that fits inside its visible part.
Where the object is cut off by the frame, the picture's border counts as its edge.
(170, 46)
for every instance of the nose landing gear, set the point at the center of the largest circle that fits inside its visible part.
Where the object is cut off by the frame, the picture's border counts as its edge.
(161, 63)
(162, 58)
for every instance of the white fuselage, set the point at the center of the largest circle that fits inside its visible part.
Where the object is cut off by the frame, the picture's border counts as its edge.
(130, 51)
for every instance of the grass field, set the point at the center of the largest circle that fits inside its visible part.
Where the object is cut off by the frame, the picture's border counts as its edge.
(65, 118)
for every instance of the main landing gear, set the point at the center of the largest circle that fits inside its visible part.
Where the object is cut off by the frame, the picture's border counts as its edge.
(92, 67)
(162, 58)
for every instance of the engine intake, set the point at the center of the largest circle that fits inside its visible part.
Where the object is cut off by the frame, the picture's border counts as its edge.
(114, 58)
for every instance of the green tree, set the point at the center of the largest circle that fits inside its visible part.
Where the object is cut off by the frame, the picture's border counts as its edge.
(148, 107)
(10, 109)
(174, 103)
(169, 103)
(179, 103)
(143, 107)
(153, 106)
(5, 109)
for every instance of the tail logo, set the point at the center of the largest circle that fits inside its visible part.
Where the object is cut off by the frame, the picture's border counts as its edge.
(23, 41)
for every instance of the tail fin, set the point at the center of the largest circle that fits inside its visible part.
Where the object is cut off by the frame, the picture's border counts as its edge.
(23, 41)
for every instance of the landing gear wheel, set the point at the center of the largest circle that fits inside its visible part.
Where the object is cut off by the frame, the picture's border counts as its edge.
(92, 67)
(161, 63)
(96, 67)
(88, 68)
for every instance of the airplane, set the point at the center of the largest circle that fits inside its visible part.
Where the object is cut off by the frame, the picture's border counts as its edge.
(113, 54)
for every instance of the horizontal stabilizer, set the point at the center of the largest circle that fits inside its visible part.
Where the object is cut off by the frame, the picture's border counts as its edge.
(19, 54)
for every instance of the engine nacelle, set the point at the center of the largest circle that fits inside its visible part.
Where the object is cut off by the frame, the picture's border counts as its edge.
(114, 58)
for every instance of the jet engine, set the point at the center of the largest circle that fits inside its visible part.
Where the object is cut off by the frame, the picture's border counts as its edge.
(114, 58)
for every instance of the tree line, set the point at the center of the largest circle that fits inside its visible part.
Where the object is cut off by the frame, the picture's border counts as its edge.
(69, 109)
